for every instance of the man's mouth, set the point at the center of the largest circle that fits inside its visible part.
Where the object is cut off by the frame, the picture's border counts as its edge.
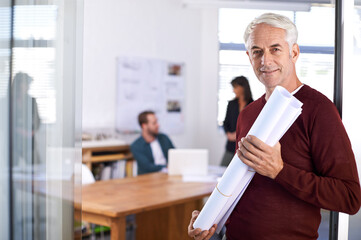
(268, 71)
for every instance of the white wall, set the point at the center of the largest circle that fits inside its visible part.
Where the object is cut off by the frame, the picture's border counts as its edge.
(211, 137)
(162, 29)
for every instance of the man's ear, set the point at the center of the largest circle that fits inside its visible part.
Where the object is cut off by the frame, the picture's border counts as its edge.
(249, 57)
(295, 52)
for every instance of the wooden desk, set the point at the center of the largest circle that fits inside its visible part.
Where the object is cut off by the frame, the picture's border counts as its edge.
(163, 205)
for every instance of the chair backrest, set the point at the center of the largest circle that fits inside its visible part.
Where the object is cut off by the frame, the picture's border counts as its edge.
(86, 175)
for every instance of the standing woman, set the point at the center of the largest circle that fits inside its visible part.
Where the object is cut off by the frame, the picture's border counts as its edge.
(243, 97)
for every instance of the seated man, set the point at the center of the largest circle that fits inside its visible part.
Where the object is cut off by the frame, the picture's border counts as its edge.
(151, 148)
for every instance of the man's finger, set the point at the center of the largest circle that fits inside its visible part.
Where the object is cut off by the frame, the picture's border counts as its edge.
(191, 231)
(211, 231)
(195, 213)
(256, 149)
(239, 153)
(195, 232)
(240, 143)
(203, 235)
(251, 156)
(257, 143)
(246, 161)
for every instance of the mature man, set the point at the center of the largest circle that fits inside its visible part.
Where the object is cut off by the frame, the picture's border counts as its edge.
(151, 149)
(315, 168)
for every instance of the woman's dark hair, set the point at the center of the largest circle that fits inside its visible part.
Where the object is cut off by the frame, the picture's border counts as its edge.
(243, 82)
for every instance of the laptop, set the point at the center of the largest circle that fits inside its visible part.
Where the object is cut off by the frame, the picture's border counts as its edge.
(188, 162)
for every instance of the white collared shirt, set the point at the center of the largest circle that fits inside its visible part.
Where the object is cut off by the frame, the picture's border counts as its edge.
(157, 153)
(297, 89)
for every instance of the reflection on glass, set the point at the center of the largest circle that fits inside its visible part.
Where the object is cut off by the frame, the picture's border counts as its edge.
(25, 122)
(44, 149)
(5, 29)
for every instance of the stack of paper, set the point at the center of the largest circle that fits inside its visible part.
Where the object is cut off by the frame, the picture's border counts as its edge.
(276, 117)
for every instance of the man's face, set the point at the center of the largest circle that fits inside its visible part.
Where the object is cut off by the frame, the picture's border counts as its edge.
(152, 126)
(270, 56)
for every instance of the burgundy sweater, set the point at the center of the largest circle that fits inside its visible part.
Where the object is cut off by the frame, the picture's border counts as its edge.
(319, 172)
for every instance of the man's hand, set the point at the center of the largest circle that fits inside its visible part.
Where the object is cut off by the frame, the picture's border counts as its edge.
(197, 233)
(264, 159)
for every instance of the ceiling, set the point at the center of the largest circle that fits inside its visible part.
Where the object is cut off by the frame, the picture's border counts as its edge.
(256, 3)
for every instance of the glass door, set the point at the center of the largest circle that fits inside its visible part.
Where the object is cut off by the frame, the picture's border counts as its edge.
(350, 226)
(5, 56)
(40, 104)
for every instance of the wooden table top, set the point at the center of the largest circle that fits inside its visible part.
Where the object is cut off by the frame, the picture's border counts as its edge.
(133, 195)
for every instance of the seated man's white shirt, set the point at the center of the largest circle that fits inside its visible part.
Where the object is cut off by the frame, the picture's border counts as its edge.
(157, 153)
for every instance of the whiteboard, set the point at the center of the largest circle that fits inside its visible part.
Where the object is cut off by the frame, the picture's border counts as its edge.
(149, 84)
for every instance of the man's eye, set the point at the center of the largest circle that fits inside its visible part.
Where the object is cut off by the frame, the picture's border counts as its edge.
(276, 49)
(256, 52)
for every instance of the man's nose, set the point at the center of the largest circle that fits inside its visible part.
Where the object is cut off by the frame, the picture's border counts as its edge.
(266, 58)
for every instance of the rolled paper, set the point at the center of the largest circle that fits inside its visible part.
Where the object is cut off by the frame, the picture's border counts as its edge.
(216, 202)
(276, 117)
(270, 115)
(232, 176)
(211, 210)
(231, 204)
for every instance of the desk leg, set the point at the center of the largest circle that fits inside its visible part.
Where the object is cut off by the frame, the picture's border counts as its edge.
(117, 228)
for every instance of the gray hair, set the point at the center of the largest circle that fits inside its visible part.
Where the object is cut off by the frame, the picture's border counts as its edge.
(274, 20)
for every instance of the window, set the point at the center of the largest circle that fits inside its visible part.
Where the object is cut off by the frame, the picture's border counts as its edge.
(314, 67)
(34, 53)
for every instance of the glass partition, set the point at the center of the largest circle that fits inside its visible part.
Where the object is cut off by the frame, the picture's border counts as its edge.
(42, 62)
(351, 100)
(5, 56)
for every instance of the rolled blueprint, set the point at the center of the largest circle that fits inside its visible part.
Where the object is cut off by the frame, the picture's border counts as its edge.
(276, 117)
